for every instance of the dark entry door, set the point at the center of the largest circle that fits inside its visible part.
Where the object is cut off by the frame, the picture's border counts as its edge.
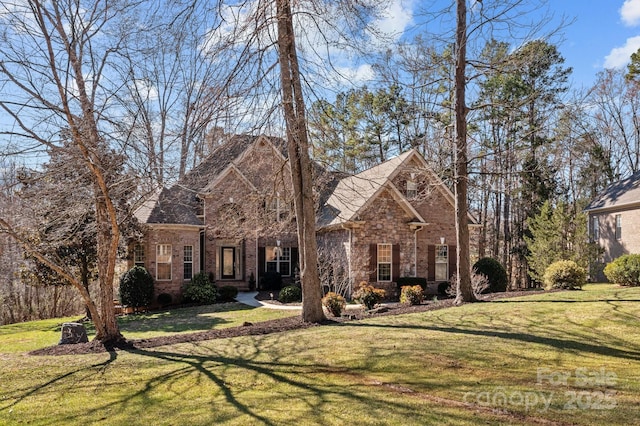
(228, 263)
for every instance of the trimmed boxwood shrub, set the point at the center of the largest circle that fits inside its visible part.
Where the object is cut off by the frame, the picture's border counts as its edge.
(290, 294)
(564, 274)
(136, 287)
(227, 293)
(335, 303)
(271, 280)
(495, 273)
(164, 299)
(368, 295)
(624, 270)
(412, 295)
(411, 281)
(200, 290)
(443, 288)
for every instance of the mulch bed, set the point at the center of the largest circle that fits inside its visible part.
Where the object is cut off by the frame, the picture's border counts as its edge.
(252, 329)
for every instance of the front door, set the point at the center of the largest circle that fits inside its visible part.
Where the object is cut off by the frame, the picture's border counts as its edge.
(228, 263)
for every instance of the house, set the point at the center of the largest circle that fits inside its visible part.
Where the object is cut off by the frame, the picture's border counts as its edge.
(232, 217)
(614, 221)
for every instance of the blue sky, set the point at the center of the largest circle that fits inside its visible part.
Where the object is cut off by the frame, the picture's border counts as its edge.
(603, 33)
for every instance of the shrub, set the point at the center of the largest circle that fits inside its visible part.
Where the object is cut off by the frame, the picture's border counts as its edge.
(624, 270)
(368, 295)
(164, 299)
(290, 294)
(443, 288)
(495, 273)
(200, 290)
(227, 293)
(564, 274)
(136, 287)
(271, 280)
(335, 303)
(411, 281)
(413, 295)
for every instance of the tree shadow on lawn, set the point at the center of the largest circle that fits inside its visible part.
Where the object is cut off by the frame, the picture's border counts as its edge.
(101, 366)
(558, 343)
(299, 380)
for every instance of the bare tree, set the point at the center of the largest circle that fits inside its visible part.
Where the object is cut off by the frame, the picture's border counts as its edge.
(56, 86)
(464, 289)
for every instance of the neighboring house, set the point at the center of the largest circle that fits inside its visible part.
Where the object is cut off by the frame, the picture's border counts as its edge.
(614, 221)
(232, 217)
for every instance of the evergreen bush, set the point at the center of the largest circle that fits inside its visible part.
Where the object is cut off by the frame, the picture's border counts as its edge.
(136, 287)
(290, 294)
(411, 281)
(164, 299)
(624, 270)
(227, 293)
(200, 290)
(495, 273)
(565, 274)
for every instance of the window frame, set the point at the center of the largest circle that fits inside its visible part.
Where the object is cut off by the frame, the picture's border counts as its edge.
(139, 255)
(274, 263)
(167, 260)
(384, 262)
(441, 260)
(411, 189)
(187, 260)
(595, 229)
(618, 224)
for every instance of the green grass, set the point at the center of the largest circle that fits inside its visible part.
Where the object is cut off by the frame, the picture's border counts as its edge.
(451, 366)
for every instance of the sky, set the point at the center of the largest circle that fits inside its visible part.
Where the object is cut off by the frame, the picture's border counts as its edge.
(602, 33)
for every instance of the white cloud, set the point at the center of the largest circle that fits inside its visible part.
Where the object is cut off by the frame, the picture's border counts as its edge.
(356, 76)
(620, 56)
(396, 17)
(630, 12)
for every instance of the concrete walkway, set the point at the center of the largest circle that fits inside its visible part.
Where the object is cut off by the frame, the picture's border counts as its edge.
(249, 298)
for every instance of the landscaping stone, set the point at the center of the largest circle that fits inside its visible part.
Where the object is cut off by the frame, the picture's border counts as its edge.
(72, 333)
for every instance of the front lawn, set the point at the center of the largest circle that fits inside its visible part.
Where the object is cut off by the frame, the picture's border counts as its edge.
(557, 358)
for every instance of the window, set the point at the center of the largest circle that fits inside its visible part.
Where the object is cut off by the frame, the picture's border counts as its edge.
(384, 262)
(138, 255)
(279, 260)
(442, 263)
(278, 207)
(188, 263)
(163, 262)
(618, 227)
(595, 229)
(412, 189)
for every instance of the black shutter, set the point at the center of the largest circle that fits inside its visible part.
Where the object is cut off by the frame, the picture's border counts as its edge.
(373, 263)
(395, 262)
(261, 261)
(431, 263)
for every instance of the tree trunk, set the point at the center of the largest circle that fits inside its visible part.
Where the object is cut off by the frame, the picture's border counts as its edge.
(300, 164)
(464, 291)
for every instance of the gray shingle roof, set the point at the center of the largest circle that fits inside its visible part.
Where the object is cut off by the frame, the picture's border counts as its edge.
(353, 192)
(179, 204)
(624, 193)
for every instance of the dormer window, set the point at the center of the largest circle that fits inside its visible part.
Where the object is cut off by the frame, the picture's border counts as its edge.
(412, 189)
